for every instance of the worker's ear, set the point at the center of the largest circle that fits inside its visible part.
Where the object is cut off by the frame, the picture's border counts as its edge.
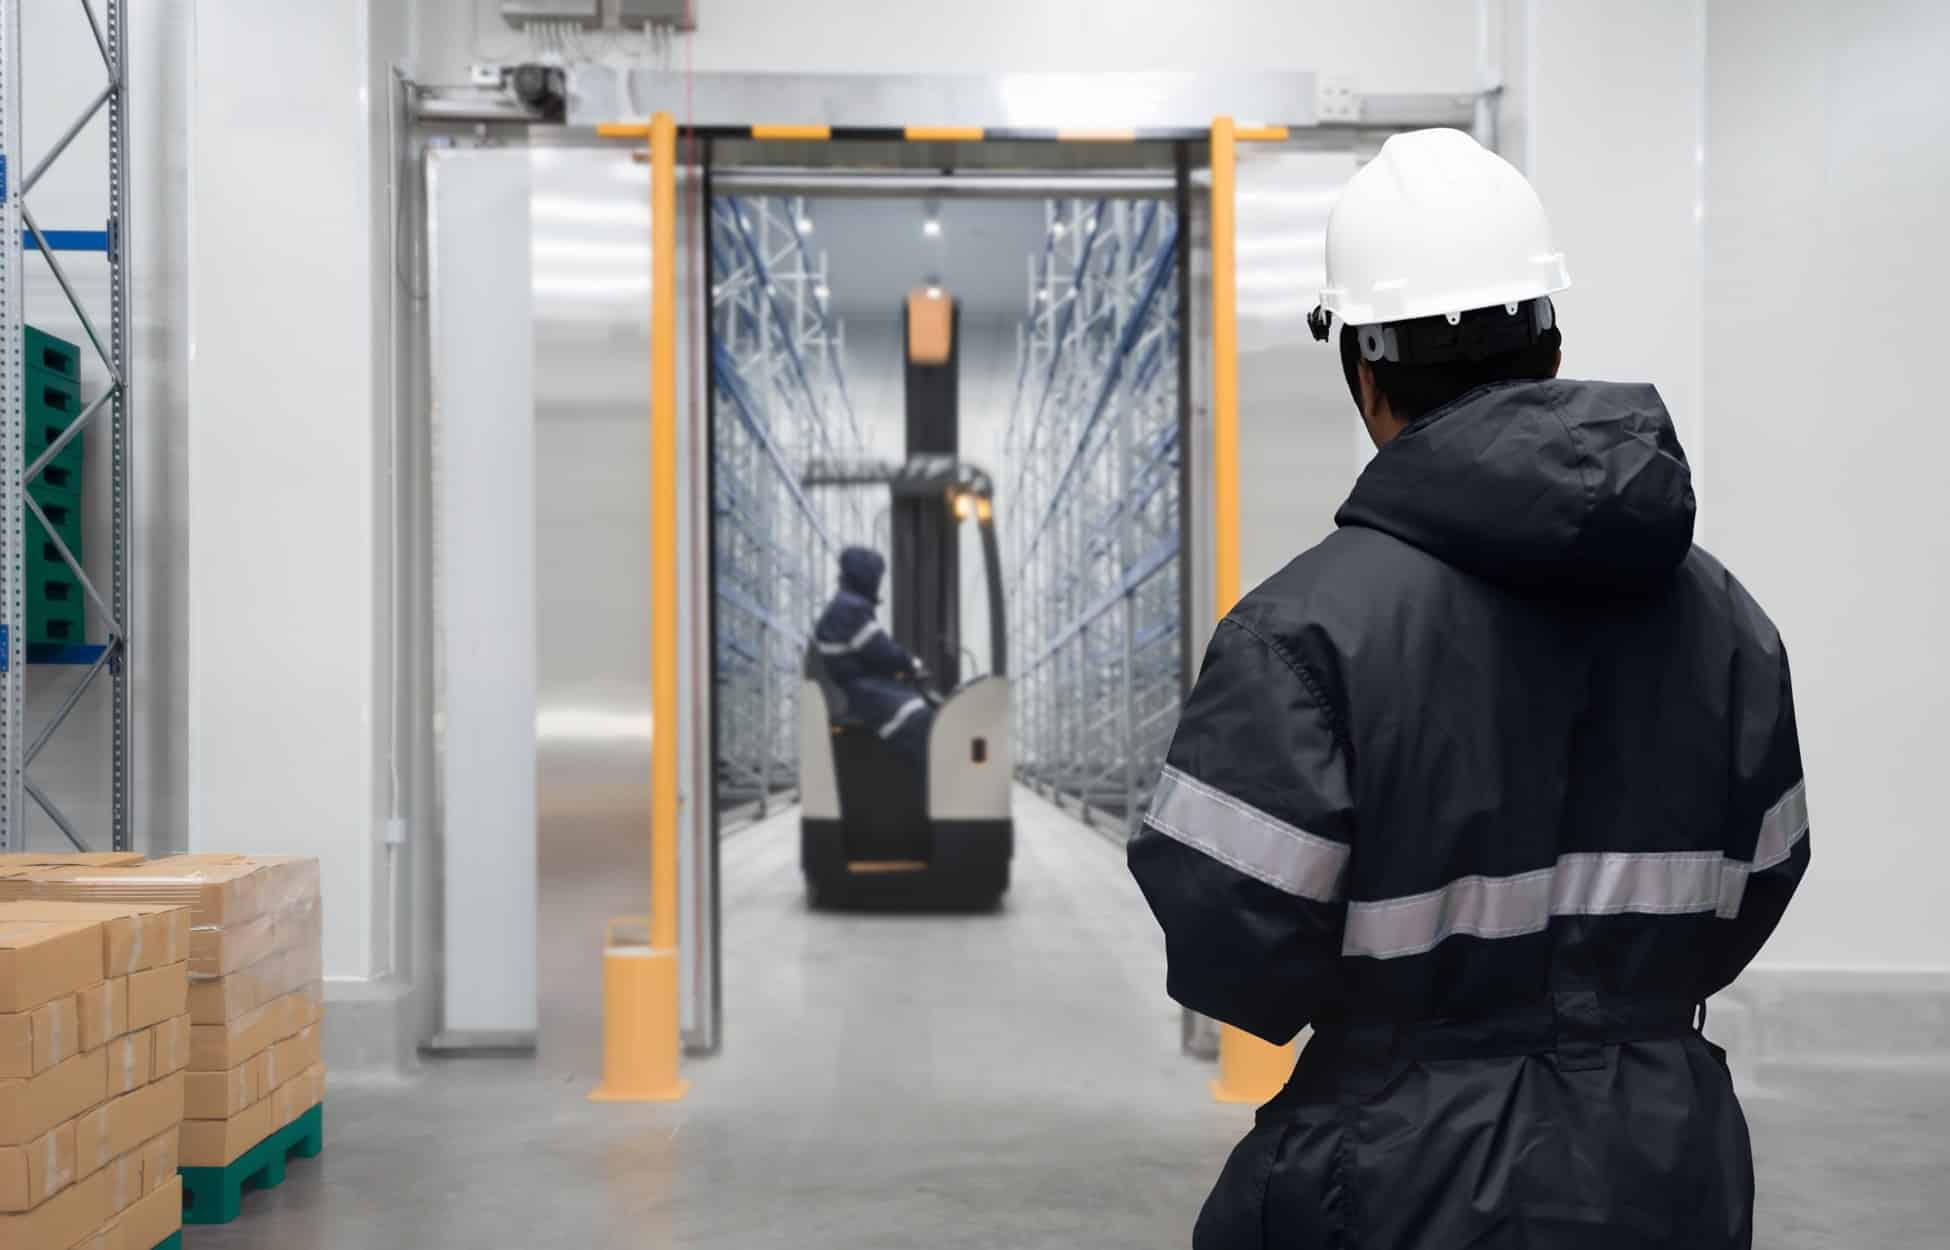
(1377, 413)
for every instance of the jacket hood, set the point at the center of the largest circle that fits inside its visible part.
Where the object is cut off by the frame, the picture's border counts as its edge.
(861, 569)
(1538, 484)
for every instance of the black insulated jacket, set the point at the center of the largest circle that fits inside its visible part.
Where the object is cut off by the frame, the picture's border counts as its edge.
(1492, 788)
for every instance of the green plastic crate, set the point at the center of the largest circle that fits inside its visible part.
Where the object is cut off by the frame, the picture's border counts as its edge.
(53, 354)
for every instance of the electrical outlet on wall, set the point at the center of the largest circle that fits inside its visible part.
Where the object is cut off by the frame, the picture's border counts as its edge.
(1337, 98)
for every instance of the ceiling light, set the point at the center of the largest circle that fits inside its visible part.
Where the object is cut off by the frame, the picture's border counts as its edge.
(931, 219)
(931, 228)
(1042, 295)
(804, 224)
(1059, 229)
(822, 291)
(934, 292)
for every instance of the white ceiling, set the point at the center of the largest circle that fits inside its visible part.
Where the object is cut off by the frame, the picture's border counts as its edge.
(878, 253)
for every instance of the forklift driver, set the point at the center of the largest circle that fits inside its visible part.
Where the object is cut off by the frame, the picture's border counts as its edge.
(882, 682)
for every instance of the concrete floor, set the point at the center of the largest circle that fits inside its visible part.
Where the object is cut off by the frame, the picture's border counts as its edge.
(1010, 1080)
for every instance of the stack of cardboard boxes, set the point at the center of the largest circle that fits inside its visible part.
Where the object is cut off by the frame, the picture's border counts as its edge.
(94, 1037)
(253, 1054)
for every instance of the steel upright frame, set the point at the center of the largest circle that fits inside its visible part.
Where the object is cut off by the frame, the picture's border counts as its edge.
(1092, 452)
(17, 748)
(779, 379)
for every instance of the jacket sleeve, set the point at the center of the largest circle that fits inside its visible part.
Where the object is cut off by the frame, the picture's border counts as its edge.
(848, 633)
(1243, 853)
(884, 657)
(1767, 847)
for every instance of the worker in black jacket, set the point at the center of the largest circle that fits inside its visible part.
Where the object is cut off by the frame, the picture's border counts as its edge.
(1493, 788)
(880, 679)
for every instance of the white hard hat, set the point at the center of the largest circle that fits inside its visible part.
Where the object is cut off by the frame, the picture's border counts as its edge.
(1437, 225)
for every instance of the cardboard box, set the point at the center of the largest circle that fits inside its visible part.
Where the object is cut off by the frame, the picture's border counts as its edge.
(221, 890)
(222, 951)
(31, 1174)
(135, 1118)
(156, 1218)
(220, 1095)
(31, 1042)
(159, 1159)
(292, 1056)
(62, 1220)
(108, 1237)
(57, 1032)
(41, 960)
(170, 1042)
(219, 1047)
(134, 935)
(297, 1096)
(219, 1143)
(91, 1152)
(32, 1107)
(221, 999)
(128, 1063)
(104, 1012)
(124, 1181)
(158, 994)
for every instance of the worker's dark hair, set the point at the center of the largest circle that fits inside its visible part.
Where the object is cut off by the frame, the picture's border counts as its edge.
(1416, 390)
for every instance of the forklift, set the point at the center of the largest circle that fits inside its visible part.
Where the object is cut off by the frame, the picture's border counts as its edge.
(873, 831)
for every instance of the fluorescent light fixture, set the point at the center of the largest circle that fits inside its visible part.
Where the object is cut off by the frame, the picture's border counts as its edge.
(569, 210)
(804, 224)
(595, 251)
(931, 228)
(554, 286)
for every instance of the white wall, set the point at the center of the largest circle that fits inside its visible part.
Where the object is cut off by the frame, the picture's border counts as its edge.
(1828, 168)
(1605, 112)
(1388, 45)
(285, 305)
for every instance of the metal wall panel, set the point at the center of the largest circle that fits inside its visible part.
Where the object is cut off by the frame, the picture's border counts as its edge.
(591, 257)
(1298, 429)
(484, 579)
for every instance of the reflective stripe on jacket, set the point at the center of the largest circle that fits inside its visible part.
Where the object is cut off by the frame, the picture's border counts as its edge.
(1490, 788)
(867, 664)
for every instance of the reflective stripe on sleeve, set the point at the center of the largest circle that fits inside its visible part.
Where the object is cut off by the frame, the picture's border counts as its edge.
(902, 715)
(852, 644)
(1658, 883)
(1242, 837)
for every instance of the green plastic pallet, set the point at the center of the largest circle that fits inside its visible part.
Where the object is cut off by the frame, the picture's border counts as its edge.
(216, 1195)
(173, 1242)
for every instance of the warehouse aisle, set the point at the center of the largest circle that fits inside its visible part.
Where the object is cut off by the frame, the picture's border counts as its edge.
(1008, 1080)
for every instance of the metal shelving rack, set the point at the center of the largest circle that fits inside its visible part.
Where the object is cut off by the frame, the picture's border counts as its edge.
(1092, 453)
(780, 404)
(20, 745)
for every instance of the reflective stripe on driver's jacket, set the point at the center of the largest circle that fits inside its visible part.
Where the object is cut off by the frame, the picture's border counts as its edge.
(1492, 788)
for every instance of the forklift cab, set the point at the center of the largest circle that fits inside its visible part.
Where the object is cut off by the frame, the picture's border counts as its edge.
(874, 830)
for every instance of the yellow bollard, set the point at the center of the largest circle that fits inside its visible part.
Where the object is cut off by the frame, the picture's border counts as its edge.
(1250, 1071)
(640, 1047)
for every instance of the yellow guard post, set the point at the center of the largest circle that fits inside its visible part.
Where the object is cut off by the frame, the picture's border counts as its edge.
(640, 975)
(1250, 1071)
